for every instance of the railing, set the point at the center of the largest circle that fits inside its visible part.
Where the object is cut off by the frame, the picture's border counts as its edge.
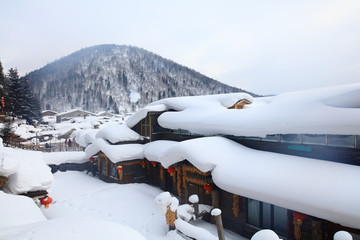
(56, 147)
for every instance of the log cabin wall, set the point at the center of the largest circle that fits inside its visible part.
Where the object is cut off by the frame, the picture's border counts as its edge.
(134, 171)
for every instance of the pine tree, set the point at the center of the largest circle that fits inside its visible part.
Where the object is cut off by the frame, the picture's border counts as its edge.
(22, 102)
(15, 98)
(2, 81)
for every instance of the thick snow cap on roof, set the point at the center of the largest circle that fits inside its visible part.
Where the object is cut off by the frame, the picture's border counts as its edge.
(32, 175)
(58, 158)
(8, 164)
(118, 133)
(331, 110)
(314, 187)
(141, 114)
(116, 153)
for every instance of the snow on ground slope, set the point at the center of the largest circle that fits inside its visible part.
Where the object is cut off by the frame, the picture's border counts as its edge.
(78, 195)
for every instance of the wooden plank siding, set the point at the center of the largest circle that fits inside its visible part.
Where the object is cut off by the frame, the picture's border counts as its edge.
(132, 172)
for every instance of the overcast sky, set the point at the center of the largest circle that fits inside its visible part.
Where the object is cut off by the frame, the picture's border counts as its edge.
(263, 46)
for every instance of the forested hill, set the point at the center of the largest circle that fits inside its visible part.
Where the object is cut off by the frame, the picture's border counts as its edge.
(113, 77)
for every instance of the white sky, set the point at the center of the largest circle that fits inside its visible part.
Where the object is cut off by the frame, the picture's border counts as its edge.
(261, 46)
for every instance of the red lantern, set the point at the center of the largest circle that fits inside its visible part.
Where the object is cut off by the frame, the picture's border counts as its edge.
(153, 163)
(46, 201)
(91, 159)
(143, 164)
(172, 171)
(120, 171)
(299, 216)
(208, 188)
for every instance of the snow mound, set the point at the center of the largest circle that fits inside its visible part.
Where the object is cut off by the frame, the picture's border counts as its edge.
(59, 229)
(265, 234)
(193, 231)
(342, 235)
(17, 210)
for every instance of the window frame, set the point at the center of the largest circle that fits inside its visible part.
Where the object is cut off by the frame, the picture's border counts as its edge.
(261, 223)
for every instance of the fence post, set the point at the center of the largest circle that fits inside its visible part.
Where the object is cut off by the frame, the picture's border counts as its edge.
(216, 213)
(194, 199)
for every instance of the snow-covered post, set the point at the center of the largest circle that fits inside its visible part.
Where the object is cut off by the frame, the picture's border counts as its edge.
(216, 213)
(342, 235)
(167, 205)
(194, 199)
(265, 234)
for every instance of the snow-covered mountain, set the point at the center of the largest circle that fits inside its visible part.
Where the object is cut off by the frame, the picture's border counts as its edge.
(113, 77)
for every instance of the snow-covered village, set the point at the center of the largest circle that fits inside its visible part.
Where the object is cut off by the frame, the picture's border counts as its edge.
(180, 120)
(160, 174)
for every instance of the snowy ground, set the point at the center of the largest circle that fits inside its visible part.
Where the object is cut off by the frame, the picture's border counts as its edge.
(79, 196)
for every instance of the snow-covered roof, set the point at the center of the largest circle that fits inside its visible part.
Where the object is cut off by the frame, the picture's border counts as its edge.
(118, 133)
(32, 173)
(58, 158)
(311, 186)
(331, 110)
(75, 110)
(116, 153)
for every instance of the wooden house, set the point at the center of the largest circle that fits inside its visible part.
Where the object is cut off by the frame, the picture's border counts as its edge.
(46, 113)
(72, 114)
(241, 213)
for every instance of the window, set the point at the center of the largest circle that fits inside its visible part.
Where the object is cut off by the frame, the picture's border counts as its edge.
(128, 170)
(291, 138)
(146, 126)
(139, 171)
(113, 171)
(271, 138)
(341, 140)
(265, 215)
(103, 166)
(314, 139)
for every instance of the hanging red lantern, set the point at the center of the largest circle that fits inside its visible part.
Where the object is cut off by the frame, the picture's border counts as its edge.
(298, 218)
(172, 171)
(120, 171)
(143, 164)
(153, 163)
(46, 201)
(208, 188)
(91, 159)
